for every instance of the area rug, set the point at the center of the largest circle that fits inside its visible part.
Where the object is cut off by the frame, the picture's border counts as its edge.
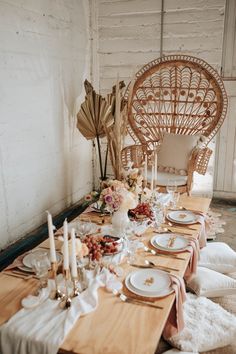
(215, 224)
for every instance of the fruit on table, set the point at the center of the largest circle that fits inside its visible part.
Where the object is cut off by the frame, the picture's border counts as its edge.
(100, 245)
(142, 209)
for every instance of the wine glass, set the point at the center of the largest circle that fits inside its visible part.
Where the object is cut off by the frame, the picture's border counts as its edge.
(41, 264)
(83, 228)
(131, 247)
(171, 188)
(176, 197)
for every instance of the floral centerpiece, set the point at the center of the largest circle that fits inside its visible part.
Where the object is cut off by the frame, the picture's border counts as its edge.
(133, 180)
(117, 199)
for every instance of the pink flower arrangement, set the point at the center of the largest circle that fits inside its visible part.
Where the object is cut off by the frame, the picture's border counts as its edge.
(116, 197)
(112, 199)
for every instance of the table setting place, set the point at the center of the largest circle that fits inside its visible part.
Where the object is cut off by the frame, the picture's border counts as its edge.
(94, 255)
(185, 222)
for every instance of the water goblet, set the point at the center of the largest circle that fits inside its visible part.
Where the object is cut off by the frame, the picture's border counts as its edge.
(176, 196)
(171, 188)
(131, 247)
(41, 265)
(83, 228)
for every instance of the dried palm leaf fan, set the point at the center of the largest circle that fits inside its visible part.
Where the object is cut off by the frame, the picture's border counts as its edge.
(177, 94)
(89, 119)
(116, 132)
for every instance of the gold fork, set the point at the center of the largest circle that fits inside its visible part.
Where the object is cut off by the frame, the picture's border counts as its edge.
(131, 300)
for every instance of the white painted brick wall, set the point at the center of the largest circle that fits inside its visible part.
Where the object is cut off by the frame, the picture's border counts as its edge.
(129, 34)
(45, 163)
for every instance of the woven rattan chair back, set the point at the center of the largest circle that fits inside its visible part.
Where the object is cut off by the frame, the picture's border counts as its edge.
(177, 94)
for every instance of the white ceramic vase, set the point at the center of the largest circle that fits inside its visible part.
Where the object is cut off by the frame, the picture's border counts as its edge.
(120, 222)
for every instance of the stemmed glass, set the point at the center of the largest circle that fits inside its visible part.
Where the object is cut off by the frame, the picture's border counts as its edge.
(83, 228)
(41, 264)
(131, 247)
(171, 188)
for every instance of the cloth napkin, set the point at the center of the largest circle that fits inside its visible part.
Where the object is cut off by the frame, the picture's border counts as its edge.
(175, 321)
(201, 218)
(41, 328)
(194, 250)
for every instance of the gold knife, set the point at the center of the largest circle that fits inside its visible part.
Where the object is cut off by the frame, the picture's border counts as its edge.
(167, 269)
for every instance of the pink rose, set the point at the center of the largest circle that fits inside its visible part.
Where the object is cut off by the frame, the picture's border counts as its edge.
(108, 198)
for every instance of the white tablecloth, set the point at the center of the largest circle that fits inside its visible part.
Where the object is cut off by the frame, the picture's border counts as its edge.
(42, 329)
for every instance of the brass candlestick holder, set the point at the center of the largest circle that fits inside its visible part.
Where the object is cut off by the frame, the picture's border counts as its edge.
(66, 300)
(55, 294)
(75, 287)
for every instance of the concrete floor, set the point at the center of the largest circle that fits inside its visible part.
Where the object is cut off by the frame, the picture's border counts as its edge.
(228, 211)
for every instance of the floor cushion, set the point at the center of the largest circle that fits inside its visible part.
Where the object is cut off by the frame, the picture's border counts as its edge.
(218, 256)
(207, 326)
(209, 283)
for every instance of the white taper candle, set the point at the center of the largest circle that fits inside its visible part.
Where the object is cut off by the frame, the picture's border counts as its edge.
(145, 169)
(53, 257)
(74, 272)
(155, 170)
(152, 177)
(65, 246)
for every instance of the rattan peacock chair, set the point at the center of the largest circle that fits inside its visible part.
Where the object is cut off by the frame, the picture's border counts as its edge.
(176, 94)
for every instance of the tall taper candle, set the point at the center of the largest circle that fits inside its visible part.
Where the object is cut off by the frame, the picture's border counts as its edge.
(74, 272)
(145, 170)
(155, 169)
(65, 246)
(53, 257)
(151, 186)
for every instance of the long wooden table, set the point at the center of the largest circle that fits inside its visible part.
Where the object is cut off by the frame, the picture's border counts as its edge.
(114, 327)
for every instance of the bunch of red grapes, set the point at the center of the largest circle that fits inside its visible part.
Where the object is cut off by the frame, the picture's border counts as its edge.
(142, 209)
(99, 246)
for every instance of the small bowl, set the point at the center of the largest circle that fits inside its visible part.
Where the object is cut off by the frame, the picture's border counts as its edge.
(116, 239)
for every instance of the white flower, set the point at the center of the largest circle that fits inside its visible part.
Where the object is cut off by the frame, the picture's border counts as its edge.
(147, 193)
(130, 200)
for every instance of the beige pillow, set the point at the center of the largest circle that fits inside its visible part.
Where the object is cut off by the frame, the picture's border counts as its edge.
(175, 152)
(218, 256)
(207, 282)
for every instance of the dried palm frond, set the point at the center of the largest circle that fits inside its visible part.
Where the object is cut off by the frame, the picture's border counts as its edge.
(91, 115)
(92, 111)
(116, 132)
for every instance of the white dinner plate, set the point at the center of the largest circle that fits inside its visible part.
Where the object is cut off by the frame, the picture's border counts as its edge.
(148, 280)
(27, 260)
(161, 278)
(182, 217)
(26, 269)
(161, 242)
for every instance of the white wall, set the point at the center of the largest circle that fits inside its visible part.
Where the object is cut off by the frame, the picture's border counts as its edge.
(225, 171)
(45, 163)
(129, 34)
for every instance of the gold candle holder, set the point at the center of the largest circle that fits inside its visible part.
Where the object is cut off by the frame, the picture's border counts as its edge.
(75, 287)
(66, 300)
(55, 294)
